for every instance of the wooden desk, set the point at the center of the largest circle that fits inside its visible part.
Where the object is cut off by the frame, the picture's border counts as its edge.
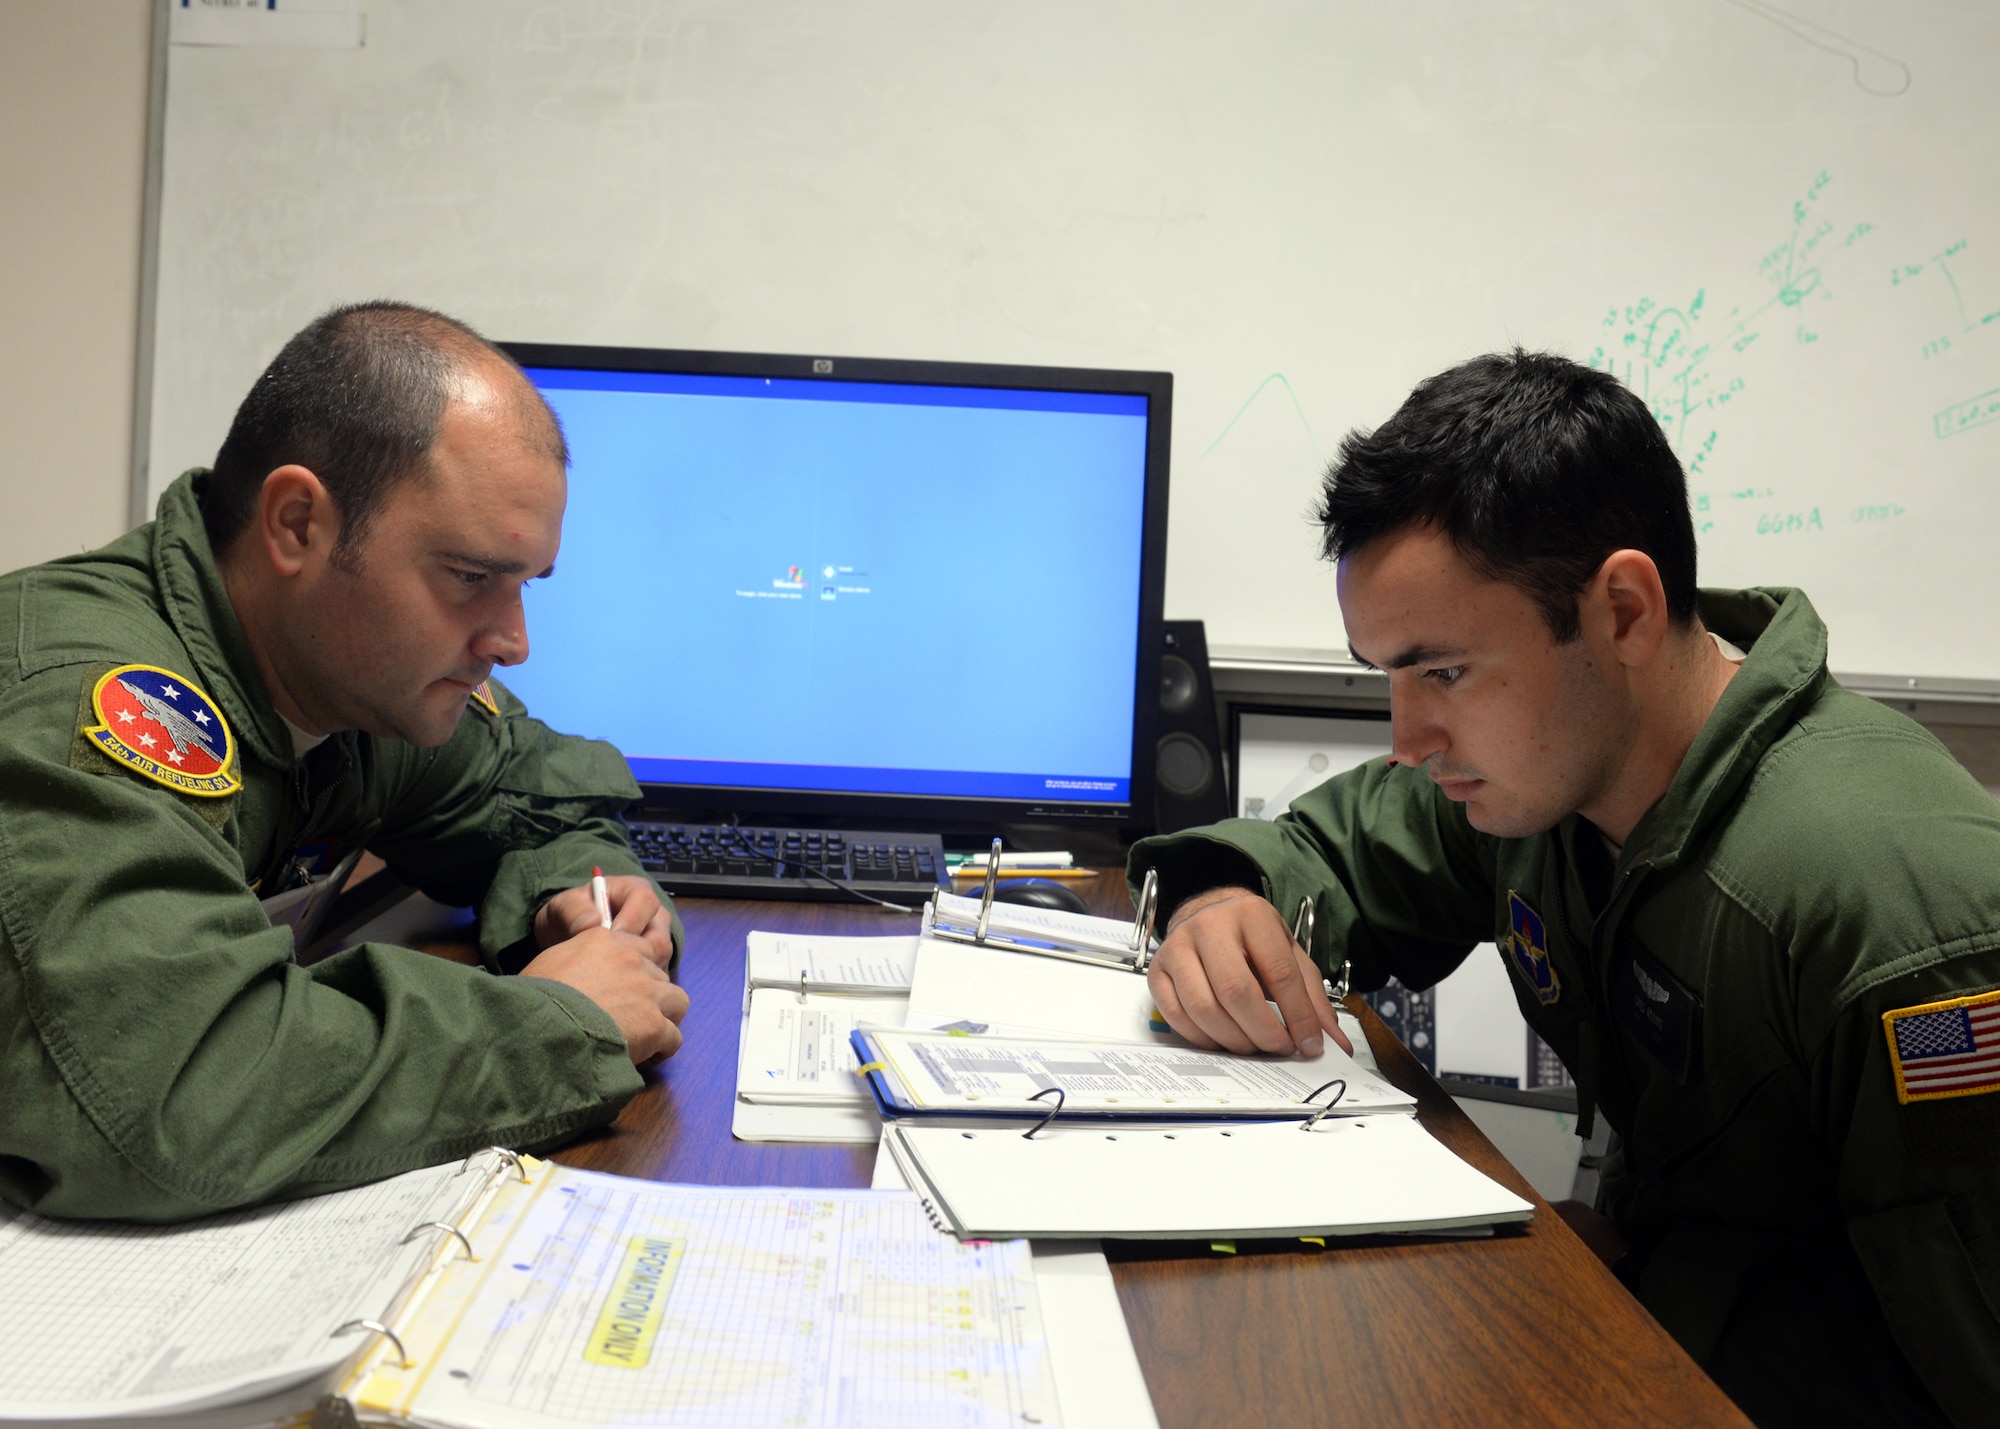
(1527, 1328)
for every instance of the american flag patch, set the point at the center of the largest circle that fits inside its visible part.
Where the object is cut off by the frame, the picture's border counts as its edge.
(1945, 1049)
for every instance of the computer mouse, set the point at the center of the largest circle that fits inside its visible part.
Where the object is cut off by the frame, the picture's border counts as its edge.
(1040, 893)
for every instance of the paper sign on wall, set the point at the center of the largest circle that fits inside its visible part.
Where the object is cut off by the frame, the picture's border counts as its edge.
(269, 24)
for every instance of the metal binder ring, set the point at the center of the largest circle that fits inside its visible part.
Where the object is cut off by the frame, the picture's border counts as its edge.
(986, 896)
(448, 1228)
(1312, 1121)
(1142, 926)
(383, 1330)
(511, 1158)
(1054, 1112)
(1302, 925)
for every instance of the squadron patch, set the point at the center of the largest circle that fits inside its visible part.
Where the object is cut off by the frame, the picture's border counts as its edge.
(482, 695)
(1528, 946)
(1945, 1049)
(162, 727)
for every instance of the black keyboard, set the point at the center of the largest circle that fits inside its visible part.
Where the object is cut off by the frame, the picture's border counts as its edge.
(728, 861)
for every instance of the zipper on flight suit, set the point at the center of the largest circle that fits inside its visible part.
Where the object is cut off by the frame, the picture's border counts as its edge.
(1589, 1050)
(292, 869)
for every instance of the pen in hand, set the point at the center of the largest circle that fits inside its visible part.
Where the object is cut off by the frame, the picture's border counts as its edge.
(602, 896)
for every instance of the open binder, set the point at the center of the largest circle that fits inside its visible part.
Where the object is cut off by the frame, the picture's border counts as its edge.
(1047, 932)
(1325, 1176)
(544, 1296)
(915, 1073)
(1077, 937)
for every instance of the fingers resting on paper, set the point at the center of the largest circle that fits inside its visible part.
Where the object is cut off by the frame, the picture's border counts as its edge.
(1226, 958)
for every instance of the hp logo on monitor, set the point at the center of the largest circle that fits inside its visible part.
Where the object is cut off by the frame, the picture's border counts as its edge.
(822, 364)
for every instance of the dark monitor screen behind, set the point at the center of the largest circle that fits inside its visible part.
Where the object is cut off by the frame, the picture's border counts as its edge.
(848, 589)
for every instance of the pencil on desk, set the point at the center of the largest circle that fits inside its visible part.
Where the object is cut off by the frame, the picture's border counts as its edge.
(979, 871)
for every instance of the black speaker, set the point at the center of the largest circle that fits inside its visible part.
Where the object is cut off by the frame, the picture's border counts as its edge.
(1188, 783)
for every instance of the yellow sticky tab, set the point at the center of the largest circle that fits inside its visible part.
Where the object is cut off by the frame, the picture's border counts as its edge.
(630, 1320)
(866, 1067)
(1223, 1247)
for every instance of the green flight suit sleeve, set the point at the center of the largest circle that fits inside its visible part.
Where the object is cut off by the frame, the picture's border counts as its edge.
(507, 814)
(1919, 1181)
(1401, 884)
(1873, 876)
(163, 1055)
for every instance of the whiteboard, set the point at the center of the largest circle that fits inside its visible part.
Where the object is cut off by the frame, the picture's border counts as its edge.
(1776, 222)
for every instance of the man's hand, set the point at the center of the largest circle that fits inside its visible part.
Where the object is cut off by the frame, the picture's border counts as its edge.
(621, 974)
(635, 909)
(1226, 957)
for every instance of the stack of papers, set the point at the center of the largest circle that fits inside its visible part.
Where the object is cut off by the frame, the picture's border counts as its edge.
(587, 1301)
(823, 963)
(916, 1073)
(803, 998)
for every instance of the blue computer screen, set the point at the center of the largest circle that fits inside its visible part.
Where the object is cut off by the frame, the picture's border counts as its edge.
(845, 586)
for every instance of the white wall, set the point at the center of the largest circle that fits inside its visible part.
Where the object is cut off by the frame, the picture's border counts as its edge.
(73, 109)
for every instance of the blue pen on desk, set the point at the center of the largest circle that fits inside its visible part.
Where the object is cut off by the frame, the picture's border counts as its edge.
(602, 895)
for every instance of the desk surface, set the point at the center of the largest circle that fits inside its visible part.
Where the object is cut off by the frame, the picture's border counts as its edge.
(1525, 1328)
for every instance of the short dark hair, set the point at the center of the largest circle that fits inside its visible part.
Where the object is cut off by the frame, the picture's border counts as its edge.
(1535, 466)
(357, 398)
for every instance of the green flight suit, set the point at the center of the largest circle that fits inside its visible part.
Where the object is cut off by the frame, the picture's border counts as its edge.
(1825, 1250)
(163, 1055)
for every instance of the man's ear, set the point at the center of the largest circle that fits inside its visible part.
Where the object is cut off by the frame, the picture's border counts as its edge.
(296, 523)
(1630, 601)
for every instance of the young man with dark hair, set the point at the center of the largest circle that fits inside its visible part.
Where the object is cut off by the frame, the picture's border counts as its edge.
(202, 726)
(1758, 916)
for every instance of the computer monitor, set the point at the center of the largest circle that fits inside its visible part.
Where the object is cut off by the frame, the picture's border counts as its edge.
(848, 590)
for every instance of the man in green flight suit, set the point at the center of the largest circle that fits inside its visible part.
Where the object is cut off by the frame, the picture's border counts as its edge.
(1758, 916)
(289, 665)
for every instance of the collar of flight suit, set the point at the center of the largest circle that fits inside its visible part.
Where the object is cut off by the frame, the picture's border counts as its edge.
(198, 606)
(1783, 673)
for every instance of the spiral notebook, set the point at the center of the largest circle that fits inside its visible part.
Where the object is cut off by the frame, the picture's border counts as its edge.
(1335, 1177)
(527, 1295)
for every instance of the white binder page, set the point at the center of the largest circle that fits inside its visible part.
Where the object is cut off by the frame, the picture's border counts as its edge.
(1019, 992)
(610, 1301)
(797, 1051)
(1097, 1374)
(825, 1124)
(105, 1319)
(1352, 1177)
(831, 964)
(940, 1072)
(1025, 993)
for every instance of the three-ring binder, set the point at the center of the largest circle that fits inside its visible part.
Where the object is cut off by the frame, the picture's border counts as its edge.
(1133, 950)
(382, 1326)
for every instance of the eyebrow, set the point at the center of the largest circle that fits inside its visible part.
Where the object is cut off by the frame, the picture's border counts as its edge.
(493, 567)
(1415, 655)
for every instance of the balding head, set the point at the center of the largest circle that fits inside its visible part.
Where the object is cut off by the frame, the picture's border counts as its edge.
(358, 398)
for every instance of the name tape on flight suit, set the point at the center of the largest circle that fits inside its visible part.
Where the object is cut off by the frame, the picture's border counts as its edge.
(164, 728)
